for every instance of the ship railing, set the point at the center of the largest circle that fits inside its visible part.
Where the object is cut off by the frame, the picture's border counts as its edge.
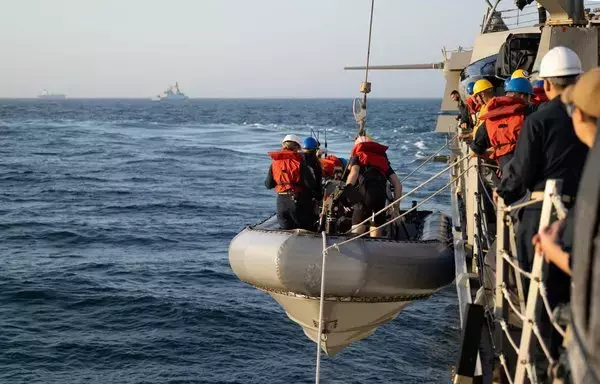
(526, 314)
(520, 18)
(509, 18)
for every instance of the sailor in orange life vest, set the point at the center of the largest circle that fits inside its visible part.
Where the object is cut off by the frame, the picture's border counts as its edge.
(539, 93)
(370, 170)
(330, 164)
(294, 182)
(503, 120)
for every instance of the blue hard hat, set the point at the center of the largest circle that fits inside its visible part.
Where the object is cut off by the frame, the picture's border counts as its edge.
(470, 88)
(538, 84)
(343, 161)
(519, 85)
(310, 143)
(506, 81)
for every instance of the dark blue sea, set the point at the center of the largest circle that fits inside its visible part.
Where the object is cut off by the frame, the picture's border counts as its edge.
(115, 219)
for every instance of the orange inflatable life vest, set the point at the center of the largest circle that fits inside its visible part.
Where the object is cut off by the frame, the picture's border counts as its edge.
(372, 154)
(286, 171)
(329, 163)
(472, 105)
(503, 120)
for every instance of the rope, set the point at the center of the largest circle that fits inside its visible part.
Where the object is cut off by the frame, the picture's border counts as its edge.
(485, 189)
(512, 342)
(416, 188)
(511, 261)
(506, 295)
(428, 159)
(519, 15)
(522, 205)
(337, 245)
(489, 166)
(321, 304)
(361, 118)
(543, 293)
(529, 368)
(505, 366)
(369, 44)
(538, 335)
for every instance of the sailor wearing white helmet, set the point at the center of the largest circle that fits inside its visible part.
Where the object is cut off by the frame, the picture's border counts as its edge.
(293, 182)
(547, 148)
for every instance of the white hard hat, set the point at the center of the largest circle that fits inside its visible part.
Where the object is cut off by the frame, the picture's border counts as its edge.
(292, 138)
(560, 61)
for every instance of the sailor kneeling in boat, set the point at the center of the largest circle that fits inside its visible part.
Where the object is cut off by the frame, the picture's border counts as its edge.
(332, 166)
(294, 183)
(370, 170)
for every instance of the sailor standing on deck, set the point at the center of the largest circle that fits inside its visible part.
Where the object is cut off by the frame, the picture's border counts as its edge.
(483, 92)
(463, 116)
(370, 170)
(582, 104)
(501, 124)
(294, 182)
(539, 97)
(547, 148)
(472, 104)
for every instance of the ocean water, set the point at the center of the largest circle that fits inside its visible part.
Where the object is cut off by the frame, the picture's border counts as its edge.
(115, 219)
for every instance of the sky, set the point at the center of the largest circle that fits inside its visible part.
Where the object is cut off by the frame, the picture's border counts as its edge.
(226, 48)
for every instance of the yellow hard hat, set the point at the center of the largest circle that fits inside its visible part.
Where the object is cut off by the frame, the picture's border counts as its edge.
(520, 73)
(482, 85)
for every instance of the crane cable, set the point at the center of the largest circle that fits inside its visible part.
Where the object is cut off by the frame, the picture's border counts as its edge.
(365, 87)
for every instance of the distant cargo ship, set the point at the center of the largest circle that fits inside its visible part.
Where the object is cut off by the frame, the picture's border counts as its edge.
(173, 93)
(45, 95)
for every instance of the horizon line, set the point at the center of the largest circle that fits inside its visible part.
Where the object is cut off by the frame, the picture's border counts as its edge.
(224, 98)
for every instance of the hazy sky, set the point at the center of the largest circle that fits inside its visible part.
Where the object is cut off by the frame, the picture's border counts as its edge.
(225, 48)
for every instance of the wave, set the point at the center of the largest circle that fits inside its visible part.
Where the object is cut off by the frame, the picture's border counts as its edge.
(207, 152)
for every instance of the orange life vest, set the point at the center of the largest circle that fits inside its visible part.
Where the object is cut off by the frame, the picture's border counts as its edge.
(539, 96)
(286, 171)
(472, 105)
(329, 163)
(503, 120)
(372, 154)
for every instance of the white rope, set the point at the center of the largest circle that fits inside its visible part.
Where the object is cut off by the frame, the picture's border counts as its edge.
(505, 366)
(321, 304)
(543, 293)
(417, 188)
(511, 208)
(512, 342)
(530, 372)
(506, 295)
(538, 335)
(511, 261)
(337, 245)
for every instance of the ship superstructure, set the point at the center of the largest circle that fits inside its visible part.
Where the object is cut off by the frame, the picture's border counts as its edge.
(172, 93)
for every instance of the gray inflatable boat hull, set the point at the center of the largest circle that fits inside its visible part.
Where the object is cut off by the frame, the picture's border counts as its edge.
(367, 282)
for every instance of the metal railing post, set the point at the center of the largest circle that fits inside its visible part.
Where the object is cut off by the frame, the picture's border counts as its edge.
(532, 312)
